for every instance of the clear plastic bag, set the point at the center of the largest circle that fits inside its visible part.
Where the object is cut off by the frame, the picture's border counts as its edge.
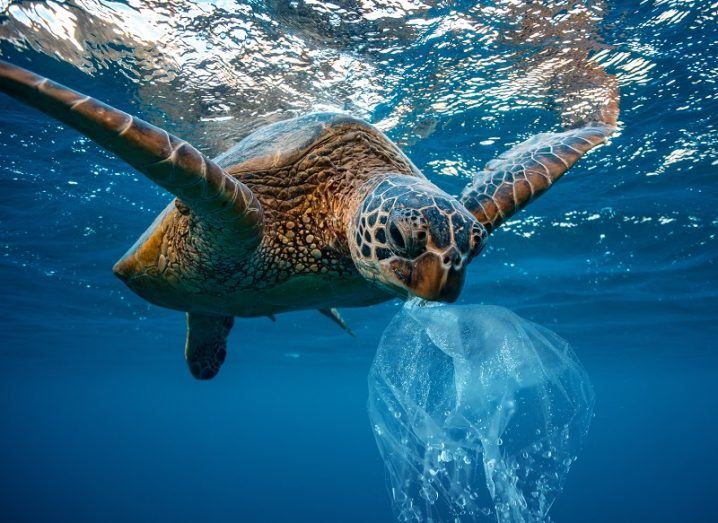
(478, 414)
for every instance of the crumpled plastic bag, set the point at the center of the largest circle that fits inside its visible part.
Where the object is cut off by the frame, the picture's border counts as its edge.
(478, 414)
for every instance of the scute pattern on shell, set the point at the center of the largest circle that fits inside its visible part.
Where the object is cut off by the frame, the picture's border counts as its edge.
(307, 207)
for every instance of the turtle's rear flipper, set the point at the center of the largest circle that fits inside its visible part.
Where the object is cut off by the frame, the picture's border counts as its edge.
(206, 346)
(334, 315)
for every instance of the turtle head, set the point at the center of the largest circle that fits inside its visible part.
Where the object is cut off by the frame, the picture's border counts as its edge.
(410, 237)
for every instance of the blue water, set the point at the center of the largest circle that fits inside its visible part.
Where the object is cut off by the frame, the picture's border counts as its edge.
(101, 420)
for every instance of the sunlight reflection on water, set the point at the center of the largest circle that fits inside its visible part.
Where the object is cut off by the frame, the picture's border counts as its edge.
(256, 62)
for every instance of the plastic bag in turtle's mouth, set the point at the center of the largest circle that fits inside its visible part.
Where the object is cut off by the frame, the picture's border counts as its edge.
(478, 414)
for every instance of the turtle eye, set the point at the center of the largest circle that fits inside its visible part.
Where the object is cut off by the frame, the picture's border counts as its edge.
(397, 238)
(407, 237)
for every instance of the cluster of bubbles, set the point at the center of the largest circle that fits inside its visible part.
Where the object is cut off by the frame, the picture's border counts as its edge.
(478, 414)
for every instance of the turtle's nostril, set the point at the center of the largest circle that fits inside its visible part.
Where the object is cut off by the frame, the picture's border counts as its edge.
(453, 259)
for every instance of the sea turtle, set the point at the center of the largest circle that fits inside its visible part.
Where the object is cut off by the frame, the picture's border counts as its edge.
(316, 212)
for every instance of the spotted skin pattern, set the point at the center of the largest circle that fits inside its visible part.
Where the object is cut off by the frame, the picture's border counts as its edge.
(303, 237)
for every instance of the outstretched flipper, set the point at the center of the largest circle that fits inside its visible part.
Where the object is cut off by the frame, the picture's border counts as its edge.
(589, 109)
(512, 180)
(206, 346)
(172, 163)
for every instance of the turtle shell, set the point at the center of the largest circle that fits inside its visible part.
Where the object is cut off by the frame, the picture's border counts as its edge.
(283, 143)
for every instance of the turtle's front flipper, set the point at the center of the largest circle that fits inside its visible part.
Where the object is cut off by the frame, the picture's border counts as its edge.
(206, 345)
(201, 184)
(521, 174)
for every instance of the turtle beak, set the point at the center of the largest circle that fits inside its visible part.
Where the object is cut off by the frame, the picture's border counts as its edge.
(431, 278)
(452, 286)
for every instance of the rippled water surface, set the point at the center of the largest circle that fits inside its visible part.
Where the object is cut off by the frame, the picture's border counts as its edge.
(101, 420)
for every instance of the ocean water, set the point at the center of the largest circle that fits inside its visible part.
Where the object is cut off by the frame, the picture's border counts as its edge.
(101, 421)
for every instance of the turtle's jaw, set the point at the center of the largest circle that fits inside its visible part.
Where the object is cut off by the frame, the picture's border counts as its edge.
(452, 286)
(430, 277)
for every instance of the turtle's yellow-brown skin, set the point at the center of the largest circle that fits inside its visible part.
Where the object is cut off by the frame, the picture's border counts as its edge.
(309, 193)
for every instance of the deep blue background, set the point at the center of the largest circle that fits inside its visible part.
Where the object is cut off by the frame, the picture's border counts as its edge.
(102, 422)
